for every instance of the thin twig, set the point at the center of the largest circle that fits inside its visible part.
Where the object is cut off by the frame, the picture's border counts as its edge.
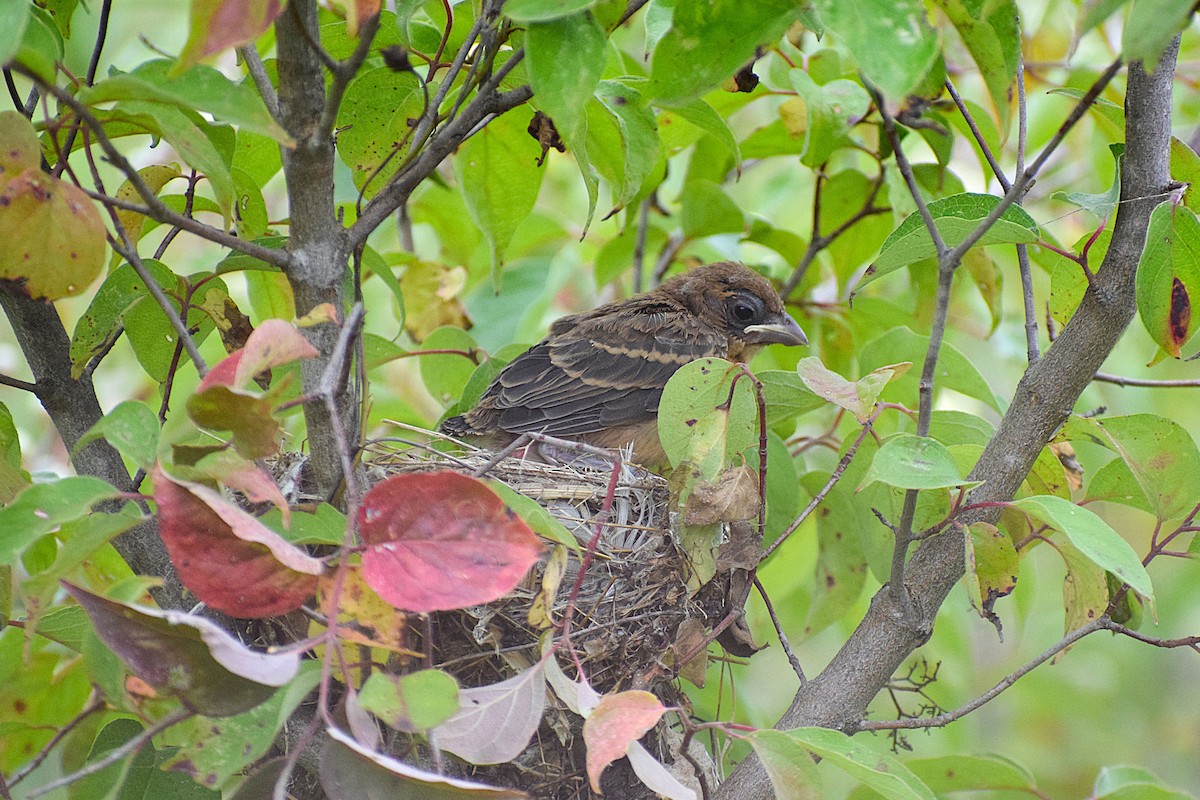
(1032, 349)
(344, 72)
(95, 705)
(17, 383)
(155, 208)
(941, 720)
(89, 79)
(1148, 383)
(834, 477)
(1025, 178)
(783, 640)
(639, 246)
(262, 81)
(134, 745)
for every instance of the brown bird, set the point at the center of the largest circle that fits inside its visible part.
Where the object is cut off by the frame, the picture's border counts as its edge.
(598, 376)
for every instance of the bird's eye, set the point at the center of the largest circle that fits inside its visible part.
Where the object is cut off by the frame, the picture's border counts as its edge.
(743, 312)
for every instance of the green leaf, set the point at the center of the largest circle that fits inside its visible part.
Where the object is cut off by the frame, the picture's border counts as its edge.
(787, 397)
(200, 88)
(216, 748)
(880, 771)
(193, 139)
(791, 769)
(1094, 538)
(543, 10)
(375, 118)
(495, 170)
(1151, 26)
(841, 568)
(991, 566)
(955, 217)
(705, 117)
(694, 422)
(1092, 13)
(858, 397)
(1115, 483)
(958, 427)
(100, 324)
(1159, 452)
(953, 773)
(954, 370)
(14, 17)
(411, 703)
(639, 137)
(1185, 168)
(150, 333)
(446, 375)
(132, 427)
(708, 42)
(42, 46)
(565, 58)
(1168, 276)
(915, 462)
(708, 210)
(992, 35)
(831, 111)
(1068, 284)
(43, 507)
(535, 515)
(865, 24)
(1101, 205)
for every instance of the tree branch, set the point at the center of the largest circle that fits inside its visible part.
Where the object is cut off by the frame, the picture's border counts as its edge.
(839, 695)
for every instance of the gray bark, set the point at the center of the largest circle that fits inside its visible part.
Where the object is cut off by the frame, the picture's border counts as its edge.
(889, 633)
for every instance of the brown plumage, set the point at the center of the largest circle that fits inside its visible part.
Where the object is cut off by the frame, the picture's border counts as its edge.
(598, 376)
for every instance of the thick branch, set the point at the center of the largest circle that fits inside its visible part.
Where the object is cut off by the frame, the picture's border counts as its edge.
(318, 240)
(74, 409)
(838, 697)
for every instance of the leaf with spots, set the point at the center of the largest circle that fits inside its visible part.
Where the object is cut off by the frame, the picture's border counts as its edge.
(841, 568)
(54, 239)
(616, 723)
(228, 558)
(1159, 452)
(375, 125)
(991, 566)
(1168, 276)
(441, 541)
(214, 750)
(187, 656)
(705, 421)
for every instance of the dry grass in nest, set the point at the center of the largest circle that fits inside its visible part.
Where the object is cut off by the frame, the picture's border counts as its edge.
(628, 610)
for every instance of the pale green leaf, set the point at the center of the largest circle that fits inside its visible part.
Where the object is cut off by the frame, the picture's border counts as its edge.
(915, 462)
(1093, 537)
(956, 218)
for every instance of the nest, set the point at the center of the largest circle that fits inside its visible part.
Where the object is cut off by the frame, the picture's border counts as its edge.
(628, 611)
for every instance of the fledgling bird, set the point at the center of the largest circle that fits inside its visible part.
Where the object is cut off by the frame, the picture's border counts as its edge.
(598, 376)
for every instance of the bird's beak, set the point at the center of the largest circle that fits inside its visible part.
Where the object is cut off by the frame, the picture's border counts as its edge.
(785, 331)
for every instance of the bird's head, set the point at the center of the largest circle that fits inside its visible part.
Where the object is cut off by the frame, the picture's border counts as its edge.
(739, 301)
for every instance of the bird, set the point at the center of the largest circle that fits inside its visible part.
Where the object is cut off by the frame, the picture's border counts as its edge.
(598, 376)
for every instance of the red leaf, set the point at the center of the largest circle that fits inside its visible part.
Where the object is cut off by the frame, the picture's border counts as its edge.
(274, 342)
(440, 540)
(228, 558)
(618, 721)
(220, 24)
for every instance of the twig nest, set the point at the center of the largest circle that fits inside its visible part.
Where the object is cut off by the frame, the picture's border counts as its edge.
(633, 610)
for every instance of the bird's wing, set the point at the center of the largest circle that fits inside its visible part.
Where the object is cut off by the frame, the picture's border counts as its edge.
(601, 370)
